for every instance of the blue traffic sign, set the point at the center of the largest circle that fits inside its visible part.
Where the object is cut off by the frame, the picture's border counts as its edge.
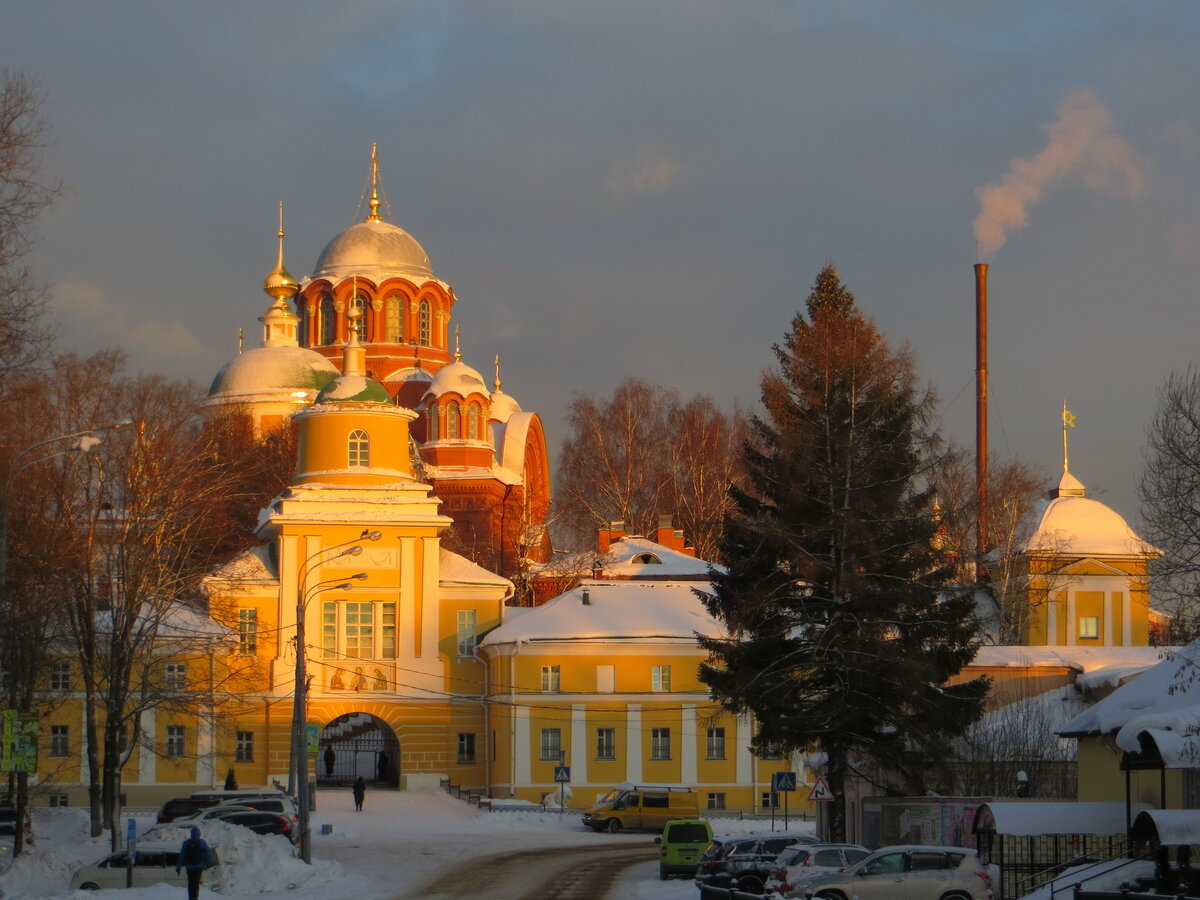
(562, 774)
(783, 781)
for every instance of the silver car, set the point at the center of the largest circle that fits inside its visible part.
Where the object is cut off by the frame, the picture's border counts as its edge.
(154, 863)
(905, 873)
(802, 862)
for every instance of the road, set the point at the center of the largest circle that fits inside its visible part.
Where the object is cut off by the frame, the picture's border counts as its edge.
(555, 873)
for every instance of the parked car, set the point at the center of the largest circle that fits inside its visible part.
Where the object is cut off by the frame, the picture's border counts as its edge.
(154, 863)
(931, 873)
(276, 803)
(646, 806)
(220, 811)
(683, 841)
(745, 861)
(8, 822)
(264, 822)
(802, 861)
(183, 808)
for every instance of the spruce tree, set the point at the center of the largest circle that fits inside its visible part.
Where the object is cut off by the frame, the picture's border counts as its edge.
(843, 635)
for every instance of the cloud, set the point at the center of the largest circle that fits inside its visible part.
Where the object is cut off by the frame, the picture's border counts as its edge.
(91, 318)
(650, 172)
(1083, 142)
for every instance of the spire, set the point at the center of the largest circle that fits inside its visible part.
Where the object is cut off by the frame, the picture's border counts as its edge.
(354, 354)
(496, 383)
(374, 216)
(1068, 485)
(1068, 421)
(457, 351)
(280, 285)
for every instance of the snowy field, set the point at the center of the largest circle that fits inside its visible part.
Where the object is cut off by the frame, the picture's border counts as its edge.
(397, 842)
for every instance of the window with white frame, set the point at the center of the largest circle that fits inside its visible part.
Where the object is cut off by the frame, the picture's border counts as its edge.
(326, 321)
(770, 751)
(466, 632)
(244, 752)
(358, 630)
(175, 735)
(715, 744)
(551, 743)
(394, 318)
(1089, 627)
(424, 323)
(770, 800)
(247, 630)
(58, 799)
(660, 743)
(716, 800)
(452, 416)
(60, 676)
(660, 679)
(466, 748)
(606, 743)
(362, 306)
(175, 677)
(473, 422)
(550, 679)
(60, 741)
(358, 448)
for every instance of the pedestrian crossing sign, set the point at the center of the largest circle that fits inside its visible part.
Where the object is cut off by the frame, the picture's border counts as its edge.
(562, 774)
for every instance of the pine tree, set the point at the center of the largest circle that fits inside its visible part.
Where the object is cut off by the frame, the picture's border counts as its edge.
(842, 636)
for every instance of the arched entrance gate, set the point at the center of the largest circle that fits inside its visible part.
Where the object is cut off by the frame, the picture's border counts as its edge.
(358, 744)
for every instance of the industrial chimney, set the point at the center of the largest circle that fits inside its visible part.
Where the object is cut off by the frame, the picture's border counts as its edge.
(981, 441)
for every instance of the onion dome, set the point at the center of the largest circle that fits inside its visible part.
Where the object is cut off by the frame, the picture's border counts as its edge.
(502, 407)
(279, 284)
(273, 370)
(354, 386)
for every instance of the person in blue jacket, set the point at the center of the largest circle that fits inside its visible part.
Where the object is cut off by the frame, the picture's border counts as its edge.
(194, 855)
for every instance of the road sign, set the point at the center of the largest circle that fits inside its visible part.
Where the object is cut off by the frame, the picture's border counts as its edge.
(562, 774)
(820, 791)
(783, 781)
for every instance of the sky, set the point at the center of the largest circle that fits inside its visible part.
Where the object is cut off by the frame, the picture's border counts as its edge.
(649, 187)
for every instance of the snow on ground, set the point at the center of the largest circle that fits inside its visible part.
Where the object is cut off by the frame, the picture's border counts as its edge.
(397, 842)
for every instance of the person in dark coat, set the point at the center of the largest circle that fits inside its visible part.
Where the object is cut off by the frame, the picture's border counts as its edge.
(330, 759)
(360, 791)
(194, 855)
(383, 768)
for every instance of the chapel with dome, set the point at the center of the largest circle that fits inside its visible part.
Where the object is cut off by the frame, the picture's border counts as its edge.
(483, 455)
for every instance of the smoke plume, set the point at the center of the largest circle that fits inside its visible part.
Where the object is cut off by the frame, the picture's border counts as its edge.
(1083, 143)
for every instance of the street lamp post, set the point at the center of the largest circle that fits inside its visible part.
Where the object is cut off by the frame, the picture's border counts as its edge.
(299, 704)
(85, 441)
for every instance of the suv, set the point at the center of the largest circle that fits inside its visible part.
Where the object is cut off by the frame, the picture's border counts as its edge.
(802, 861)
(280, 804)
(932, 873)
(745, 861)
(183, 808)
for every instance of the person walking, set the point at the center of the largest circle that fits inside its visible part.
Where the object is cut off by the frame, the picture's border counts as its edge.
(330, 759)
(360, 791)
(194, 855)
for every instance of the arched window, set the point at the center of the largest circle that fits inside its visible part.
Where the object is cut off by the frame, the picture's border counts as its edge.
(473, 422)
(431, 417)
(363, 305)
(394, 319)
(452, 421)
(424, 323)
(358, 448)
(327, 321)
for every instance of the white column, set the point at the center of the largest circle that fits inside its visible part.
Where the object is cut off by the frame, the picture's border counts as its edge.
(522, 770)
(430, 597)
(146, 758)
(206, 755)
(633, 742)
(579, 743)
(1072, 628)
(1126, 618)
(741, 751)
(1052, 617)
(688, 740)
(405, 626)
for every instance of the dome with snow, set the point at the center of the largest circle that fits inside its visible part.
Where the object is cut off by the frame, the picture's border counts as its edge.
(1074, 525)
(502, 407)
(354, 389)
(270, 370)
(373, 249)
(457, 378)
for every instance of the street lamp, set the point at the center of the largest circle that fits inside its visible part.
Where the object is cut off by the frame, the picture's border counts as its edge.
(299, 738)
(85, 441)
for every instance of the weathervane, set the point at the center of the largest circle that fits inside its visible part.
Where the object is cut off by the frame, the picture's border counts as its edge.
(1068, 420)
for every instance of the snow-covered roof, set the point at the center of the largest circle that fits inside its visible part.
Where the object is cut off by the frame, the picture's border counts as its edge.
(1038, 817)
(1171, 827)
(373, 249)
(356, 388)
(1098, 666)
(633, 556)
(502, 406)
(1073, 525)
(1163, 703)
(614, 610)
(251, 565)
(460, 570)
(457, 378)
(267, 370)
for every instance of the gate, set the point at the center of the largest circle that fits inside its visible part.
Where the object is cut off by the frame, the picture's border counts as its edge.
(358, 745)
